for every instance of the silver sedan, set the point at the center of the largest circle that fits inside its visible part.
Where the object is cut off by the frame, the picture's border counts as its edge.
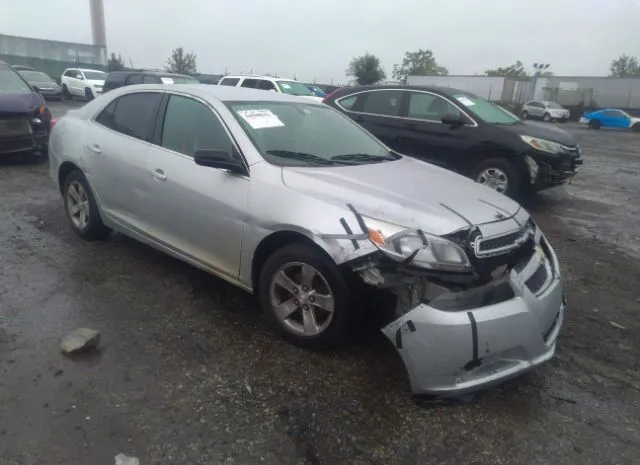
(291, 200)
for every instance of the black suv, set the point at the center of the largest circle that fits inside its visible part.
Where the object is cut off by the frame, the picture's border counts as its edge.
(464, 133)
(117, 79)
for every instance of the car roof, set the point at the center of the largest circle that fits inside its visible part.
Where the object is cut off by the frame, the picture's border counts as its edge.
(448, 91)
(257, 76)
(222, 93)
(150, 73)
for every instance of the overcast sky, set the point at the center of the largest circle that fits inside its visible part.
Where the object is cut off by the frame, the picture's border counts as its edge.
(316, 39)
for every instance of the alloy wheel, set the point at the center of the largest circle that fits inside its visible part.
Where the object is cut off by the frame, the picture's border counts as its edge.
(301, 299)
(494, 178)
(78, 205)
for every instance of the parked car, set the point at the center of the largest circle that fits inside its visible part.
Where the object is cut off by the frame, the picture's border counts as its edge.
(117, 79)
(545, 110)
(291, 200)
(317, 91)
(464, 133)
(80, 82)
(43, 84)
(610, 118)
(24, 116)
(284, 86)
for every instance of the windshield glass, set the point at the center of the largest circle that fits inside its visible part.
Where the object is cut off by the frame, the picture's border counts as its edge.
(184, 80)
(35, 76)
(95, 75)
(299, 134)
(10, 81)
(554, 105)
(294, 88)
(487, 111)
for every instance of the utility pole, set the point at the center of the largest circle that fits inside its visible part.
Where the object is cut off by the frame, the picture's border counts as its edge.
(539, 67)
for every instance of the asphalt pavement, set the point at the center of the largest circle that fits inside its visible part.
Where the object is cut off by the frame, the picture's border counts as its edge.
(189, 373)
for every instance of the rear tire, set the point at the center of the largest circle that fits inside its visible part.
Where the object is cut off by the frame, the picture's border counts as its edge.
(500, 175)
(311, 293)
(594, 124)
(525, 114)
(65, 92)
(82, 210)
(636, 127)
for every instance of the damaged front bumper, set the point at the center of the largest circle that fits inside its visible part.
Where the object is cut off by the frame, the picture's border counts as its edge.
(464, 341)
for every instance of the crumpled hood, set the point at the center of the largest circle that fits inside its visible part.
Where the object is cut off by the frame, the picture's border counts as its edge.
(541, 130)
(20, 102)
(407, 192)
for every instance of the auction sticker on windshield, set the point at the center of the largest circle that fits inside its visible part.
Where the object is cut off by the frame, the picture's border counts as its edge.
(465, 101)
(260, 119)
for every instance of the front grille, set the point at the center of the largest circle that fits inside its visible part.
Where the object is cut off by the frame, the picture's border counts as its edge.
(538, 279)
(502, 244)
(14, 127)
(498, 242)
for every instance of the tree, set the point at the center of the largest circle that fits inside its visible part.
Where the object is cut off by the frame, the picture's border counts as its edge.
(115, 63)
(516, 70)
(181, 63)
(420, 63)
(625, 66)
(366, 69)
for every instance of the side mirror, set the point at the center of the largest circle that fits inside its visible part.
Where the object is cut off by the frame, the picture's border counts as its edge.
(221, 159)
(454, 120)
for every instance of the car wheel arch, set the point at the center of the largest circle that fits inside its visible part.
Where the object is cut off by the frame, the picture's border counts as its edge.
(65, 170)
(269, 244)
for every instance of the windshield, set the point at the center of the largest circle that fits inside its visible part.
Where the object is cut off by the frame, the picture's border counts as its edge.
(184, 80)
(300, 134)
(294, 88)
(35, 76)
(487, 111)
(94, 75)
(554, 105)
(10, 81)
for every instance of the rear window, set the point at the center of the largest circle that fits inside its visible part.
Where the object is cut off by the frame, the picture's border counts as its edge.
(10, 81)
(229, 81)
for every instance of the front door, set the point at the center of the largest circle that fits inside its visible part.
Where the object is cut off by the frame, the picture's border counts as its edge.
(115, 157)
(196, 210)
(424, 136)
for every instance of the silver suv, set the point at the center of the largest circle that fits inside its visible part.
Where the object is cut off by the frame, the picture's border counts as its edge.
(545, 110)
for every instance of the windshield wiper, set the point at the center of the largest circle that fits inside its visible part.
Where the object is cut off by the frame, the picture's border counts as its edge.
(303, 156)
(361, 157)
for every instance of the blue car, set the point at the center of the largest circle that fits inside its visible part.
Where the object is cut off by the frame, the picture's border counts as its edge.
(611, 118)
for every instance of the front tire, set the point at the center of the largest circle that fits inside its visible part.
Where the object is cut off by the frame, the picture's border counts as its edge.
(82, 210)
(636, 127)
(305, 298)
(525, 114)
(88, 94)
(65, 92)
(547, 118)
(498, 174)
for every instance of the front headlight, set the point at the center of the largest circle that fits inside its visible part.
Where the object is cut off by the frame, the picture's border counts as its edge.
(543, 144)
(416, 247)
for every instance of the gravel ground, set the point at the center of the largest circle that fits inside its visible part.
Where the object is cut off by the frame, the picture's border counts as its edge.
(188, 372)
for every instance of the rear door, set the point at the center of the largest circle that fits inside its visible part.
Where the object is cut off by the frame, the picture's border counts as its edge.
(424, 136)
(115, 155)
(196, 210)
(378, 111)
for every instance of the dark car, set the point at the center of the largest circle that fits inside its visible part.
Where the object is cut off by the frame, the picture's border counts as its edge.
(24, 117)
(464, 133)
(43, 84)
(117, 79)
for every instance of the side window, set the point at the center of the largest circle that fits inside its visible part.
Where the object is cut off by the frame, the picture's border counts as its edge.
(134, 79)
(229, 81)
(189, 126)
(430, 107)
(348, 102)
(131, 114)
(252, 83)
(265, 85)
(149, 80)
(79, 75)
(383, 102)
(70, 73)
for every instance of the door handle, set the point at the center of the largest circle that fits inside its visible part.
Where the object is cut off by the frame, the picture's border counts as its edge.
(159, 174)
(94, 148)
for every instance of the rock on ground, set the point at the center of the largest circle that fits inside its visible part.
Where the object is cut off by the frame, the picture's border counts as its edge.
(79, 340)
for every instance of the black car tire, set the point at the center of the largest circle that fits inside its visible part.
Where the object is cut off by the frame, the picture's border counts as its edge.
(594, 124)
(506, 168)
(94, 228)
(547, 118)
(88, 94)
(65, 93)
(525, 114)
(328, 275)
